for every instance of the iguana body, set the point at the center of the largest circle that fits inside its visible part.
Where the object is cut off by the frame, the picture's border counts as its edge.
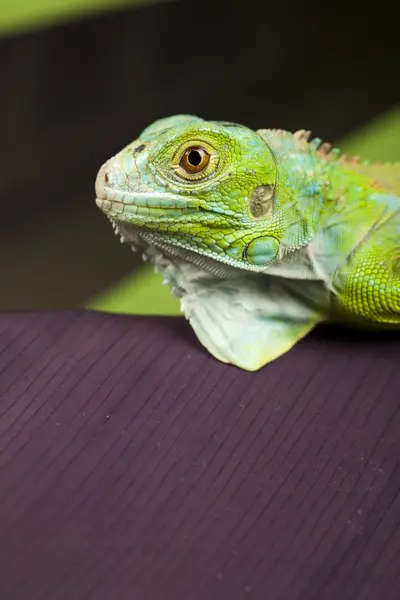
(262, 234)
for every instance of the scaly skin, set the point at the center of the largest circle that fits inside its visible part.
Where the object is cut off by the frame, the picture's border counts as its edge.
(262, 234)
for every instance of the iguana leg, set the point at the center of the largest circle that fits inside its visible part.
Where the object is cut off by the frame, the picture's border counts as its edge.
(369, 285)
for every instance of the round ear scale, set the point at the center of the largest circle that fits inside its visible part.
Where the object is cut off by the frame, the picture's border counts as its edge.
(261, 251)
(261, 201)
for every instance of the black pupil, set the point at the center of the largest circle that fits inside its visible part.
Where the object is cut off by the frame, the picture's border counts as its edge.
(194, 158)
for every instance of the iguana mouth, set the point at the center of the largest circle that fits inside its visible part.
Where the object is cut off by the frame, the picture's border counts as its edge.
(136, 206)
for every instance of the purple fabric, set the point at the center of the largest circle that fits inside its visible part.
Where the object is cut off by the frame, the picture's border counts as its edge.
(135, 466)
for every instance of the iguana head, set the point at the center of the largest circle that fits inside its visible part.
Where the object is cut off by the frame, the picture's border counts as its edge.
(211, 203)
(204, 186)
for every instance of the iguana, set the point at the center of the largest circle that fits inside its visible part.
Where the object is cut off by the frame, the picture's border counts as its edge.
(262, 234)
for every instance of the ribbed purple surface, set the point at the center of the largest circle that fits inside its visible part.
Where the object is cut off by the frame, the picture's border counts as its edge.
(134, 466)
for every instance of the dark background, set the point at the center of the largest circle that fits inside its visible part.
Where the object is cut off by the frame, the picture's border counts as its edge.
(133, 465)
(74, 94)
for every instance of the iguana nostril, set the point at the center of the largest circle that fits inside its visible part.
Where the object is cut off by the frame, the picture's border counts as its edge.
(103, 178)
(139, 149)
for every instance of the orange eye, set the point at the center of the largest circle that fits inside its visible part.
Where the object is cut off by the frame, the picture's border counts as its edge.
(194, 160)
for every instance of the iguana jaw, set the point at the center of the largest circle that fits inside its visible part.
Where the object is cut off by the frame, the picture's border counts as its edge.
(157, 250)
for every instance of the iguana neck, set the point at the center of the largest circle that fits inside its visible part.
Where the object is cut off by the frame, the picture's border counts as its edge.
(304, 182)
(324, 182)
(341, 199)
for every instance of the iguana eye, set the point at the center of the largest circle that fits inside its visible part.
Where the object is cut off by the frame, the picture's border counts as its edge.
(194, 160)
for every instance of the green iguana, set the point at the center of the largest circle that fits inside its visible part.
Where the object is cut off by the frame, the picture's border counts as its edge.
(261, 234)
